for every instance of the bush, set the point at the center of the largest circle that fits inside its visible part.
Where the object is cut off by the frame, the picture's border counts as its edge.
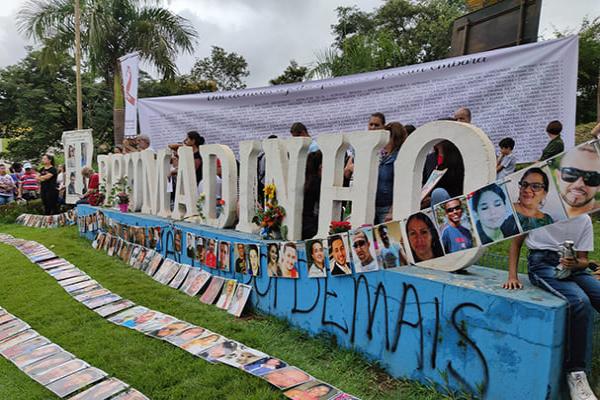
(10, 212)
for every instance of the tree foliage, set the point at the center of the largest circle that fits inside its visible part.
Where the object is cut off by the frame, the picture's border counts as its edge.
(226, 69)
(293, 73)
(398, 33)
(180, 84)
(109, 30)
(38, 103)
(588, 72)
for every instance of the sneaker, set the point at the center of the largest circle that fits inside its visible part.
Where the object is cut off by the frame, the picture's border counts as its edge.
(579, 386)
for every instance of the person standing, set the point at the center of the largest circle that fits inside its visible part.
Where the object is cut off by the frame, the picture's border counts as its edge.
(7, 186)
(49, 189)
(555, 145)
(30, 187)
(385, 177)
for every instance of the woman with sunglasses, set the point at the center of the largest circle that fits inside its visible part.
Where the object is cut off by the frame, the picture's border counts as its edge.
(533, 188)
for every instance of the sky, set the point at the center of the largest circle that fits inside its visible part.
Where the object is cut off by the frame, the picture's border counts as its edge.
(270, 33)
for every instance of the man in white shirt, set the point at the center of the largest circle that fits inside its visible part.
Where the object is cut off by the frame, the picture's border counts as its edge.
(580, 289)
(362, 250)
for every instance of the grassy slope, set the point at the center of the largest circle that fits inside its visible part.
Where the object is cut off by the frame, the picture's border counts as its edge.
(158, 369)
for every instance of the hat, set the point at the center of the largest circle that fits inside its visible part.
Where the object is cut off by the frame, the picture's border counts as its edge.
(27, 165)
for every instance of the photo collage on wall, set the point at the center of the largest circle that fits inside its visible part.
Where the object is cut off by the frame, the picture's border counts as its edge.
(65, 375)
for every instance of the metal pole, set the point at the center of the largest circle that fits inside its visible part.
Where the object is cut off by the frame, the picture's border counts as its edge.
(78, 65)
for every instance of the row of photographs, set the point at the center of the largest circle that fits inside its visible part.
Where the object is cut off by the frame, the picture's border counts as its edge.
(208, 345)
(545, 193)
(48, 221)
(228, 293)
(56, 369)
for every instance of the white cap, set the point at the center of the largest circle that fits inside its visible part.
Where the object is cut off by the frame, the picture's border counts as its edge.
(27, 165)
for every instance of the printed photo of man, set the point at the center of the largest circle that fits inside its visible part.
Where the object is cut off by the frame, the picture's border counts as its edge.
(337, 249)
(362, 247)
(455, 236)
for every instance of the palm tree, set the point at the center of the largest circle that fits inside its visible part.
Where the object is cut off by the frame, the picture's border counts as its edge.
(109, 30)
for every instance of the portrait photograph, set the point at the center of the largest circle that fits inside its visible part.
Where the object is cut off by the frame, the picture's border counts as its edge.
(240, 298)
(102, 390)
(24, 347)
(453, 221)
(288, 260)
(101, 301)
(264, 366)
(210, 255)
(200, 344)
(493, 214)
(80, 285)
(253, 260)
(241, 356)
(131, 394)
(339, 255)
(287, 377)
(272, 256)
(422, 237)
(316, 258)
(113, 308)
(576, 174)
(157, 323)
(35, 355)
(212, 354)
(239, 257)
(190, 245)
(72, 383)
(180, 276)
(389, 245)
(195, 281)
(151, 238)
(91, 294)
(154, 264)
(127, 315)
(199, 252)
(71, 281)
(363, 250)
(47, 364)
(170, 329)
(314, 390)
(180, 338)
(213, 290)
(60, 371)
(227, 294)
(224, 257)
(177, 240)
(535, 198)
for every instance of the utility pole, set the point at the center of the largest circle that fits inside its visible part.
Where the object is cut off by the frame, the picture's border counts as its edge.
(78, 65)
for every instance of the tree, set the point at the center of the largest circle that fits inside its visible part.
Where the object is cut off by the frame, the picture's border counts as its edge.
(400, 32)
(226, 69)
(181, 84)
(109, 30)
(37, 104)
(293, 73)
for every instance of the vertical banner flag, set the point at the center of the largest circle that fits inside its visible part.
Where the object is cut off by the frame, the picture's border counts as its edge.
(129, 77)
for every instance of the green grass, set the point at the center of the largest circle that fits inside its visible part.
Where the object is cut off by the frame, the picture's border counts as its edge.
(156, 368)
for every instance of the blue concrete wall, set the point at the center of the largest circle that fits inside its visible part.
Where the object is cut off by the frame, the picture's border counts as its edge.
(461, 331)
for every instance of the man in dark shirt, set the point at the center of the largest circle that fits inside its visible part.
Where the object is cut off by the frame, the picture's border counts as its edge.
(555, 145)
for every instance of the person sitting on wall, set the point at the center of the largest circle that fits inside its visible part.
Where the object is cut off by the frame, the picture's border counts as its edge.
(298, 129)
(555, 146)
(581, 289)
(92, 196)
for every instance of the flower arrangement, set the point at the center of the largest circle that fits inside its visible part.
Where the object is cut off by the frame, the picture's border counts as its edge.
(339, 227)
(270, 217)
(119, 194)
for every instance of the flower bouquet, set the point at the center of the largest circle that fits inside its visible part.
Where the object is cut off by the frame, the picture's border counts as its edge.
(270, 218)
(339, 227)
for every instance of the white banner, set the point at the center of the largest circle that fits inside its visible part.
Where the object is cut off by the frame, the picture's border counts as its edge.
(78, 147)
(511, 92)
(129, 77)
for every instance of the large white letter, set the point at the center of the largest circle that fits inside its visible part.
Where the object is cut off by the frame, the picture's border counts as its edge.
(134, 171)
(249, 151)
(479, 160)
(209, 154)
(104, 163)
(362, 192)
(286, 168)
(185, 191)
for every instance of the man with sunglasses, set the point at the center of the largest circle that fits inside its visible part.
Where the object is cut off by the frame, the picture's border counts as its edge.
(578, 178)
(455, 236)
(361, 246)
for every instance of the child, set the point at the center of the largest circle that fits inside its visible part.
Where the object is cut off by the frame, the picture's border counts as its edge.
(507, 161)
